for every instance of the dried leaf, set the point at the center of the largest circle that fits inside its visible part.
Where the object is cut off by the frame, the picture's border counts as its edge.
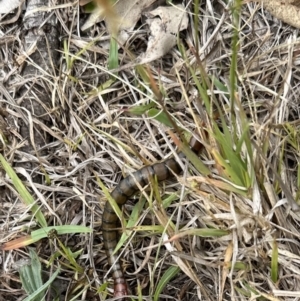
(7, 6)
(129, 13)
(286, 10)
(103, 8)
(165, 23)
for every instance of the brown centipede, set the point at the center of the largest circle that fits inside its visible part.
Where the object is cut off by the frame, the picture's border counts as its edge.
(122, 192)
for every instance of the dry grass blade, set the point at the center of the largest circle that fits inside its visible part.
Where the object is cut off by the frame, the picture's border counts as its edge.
(227, 227)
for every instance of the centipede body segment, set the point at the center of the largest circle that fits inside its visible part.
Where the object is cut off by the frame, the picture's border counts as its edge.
(122, 192)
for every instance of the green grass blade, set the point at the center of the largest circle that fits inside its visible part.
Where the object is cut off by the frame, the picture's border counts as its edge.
(206, 232)
(141, 109)
(39, 234)
(31, 278)
(61, 230)
(274, 263)
(135, 214)
(112, 202)
(236, 11)
(33, 296)
(113, 54)
(25, 196)
(194, 159)
(28, 277)
(236, 169)
(169, 274)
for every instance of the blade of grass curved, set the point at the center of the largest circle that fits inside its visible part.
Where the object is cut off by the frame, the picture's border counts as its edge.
(160, 116)
(25, 196)
(169, 274)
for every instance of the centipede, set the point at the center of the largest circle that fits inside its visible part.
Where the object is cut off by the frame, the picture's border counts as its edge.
(125, 189)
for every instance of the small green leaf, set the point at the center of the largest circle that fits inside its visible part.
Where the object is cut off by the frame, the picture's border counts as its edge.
(113, 53)
(239, 266)
(220, 86)
(210, 232)
(169, 200)
(104, 86)
(103, 290)
(160, 116)
(139, 110)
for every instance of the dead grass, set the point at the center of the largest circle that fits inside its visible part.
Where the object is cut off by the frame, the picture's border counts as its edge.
(251, 145)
